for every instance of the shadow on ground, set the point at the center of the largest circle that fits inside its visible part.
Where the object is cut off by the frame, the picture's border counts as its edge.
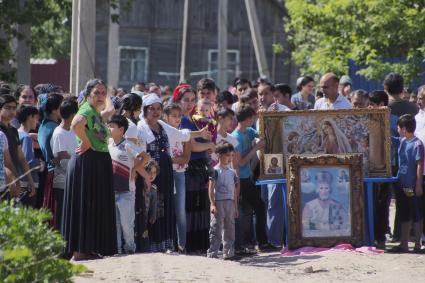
(276, 260)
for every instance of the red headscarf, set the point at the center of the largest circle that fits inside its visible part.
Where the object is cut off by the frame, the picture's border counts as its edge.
(177, 91)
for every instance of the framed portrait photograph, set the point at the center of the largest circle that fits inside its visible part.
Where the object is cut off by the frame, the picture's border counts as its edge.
(325, 200)
(274, 164)
(365, 131)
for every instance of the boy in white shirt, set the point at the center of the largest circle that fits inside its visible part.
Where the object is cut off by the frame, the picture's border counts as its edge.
(63, 144)
(124, 164)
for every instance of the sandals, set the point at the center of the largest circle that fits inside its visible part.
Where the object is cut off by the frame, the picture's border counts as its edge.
(398, 250)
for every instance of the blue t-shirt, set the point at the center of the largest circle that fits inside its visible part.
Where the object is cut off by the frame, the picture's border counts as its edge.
(244, 147)
(186, 123)
(299, 102)
(45, 133)
(393, 125)
(409, 153)
(28, 150)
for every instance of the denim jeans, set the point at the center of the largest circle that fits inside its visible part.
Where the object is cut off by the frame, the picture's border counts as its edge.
(124, 208)
(272, 195)
(180, 204)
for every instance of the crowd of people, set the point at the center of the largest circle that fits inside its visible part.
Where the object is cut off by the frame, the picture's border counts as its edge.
(161, 170)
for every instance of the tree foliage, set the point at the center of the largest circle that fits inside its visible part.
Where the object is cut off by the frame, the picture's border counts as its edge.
(52, 38)
(326, 34)
(29, 249)
(50, 28)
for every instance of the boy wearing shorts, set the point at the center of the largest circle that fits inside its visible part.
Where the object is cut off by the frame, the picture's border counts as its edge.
(409, 190)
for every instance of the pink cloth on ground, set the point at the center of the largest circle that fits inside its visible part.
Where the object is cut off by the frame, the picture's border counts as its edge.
(340, 247)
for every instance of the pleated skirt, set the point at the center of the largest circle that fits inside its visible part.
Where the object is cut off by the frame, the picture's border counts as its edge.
(88, 219)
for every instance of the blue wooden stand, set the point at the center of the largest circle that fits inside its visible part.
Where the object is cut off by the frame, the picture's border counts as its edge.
(368, 185)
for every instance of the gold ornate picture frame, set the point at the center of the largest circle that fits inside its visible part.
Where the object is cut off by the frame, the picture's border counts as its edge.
(325, 200)
(365, 131)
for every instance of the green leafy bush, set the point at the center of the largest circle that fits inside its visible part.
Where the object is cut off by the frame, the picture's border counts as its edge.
(29, 249)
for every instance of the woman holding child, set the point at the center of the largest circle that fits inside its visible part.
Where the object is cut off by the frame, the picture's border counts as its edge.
(156, 134)
(197, 204)
(88, 224)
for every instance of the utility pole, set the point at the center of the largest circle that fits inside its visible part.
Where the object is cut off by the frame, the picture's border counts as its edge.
(257, 41)
(185, 41)
(113, 52)
(23, 52)
(74, 35)
(222, 44)
(82, 43)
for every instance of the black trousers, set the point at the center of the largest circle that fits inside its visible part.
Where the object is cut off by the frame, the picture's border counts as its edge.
(59, 202)
(382, 200)
(250, 202)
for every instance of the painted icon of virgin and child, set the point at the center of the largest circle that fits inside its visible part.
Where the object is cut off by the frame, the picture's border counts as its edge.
(328, 139)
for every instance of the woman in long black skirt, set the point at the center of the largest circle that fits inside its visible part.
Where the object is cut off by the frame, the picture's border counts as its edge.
(157, 136)
(197, 175)
(88, 224)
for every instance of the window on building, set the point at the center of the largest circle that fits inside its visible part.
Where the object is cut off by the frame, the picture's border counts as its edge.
(233, 64)
(133, 64)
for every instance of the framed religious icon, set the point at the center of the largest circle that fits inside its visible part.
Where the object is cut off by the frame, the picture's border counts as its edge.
(274, 164)
(325, 200)
(365, 131)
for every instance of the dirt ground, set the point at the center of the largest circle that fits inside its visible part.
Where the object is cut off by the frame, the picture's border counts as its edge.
(331, 266)
(338, 266)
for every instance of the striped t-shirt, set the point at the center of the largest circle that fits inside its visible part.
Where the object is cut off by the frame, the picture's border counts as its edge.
(123, 155)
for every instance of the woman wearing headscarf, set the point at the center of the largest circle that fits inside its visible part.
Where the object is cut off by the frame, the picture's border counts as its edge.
(89, 226)
(197, 175)
(157, 136)
(153, 133)
(334, 140)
